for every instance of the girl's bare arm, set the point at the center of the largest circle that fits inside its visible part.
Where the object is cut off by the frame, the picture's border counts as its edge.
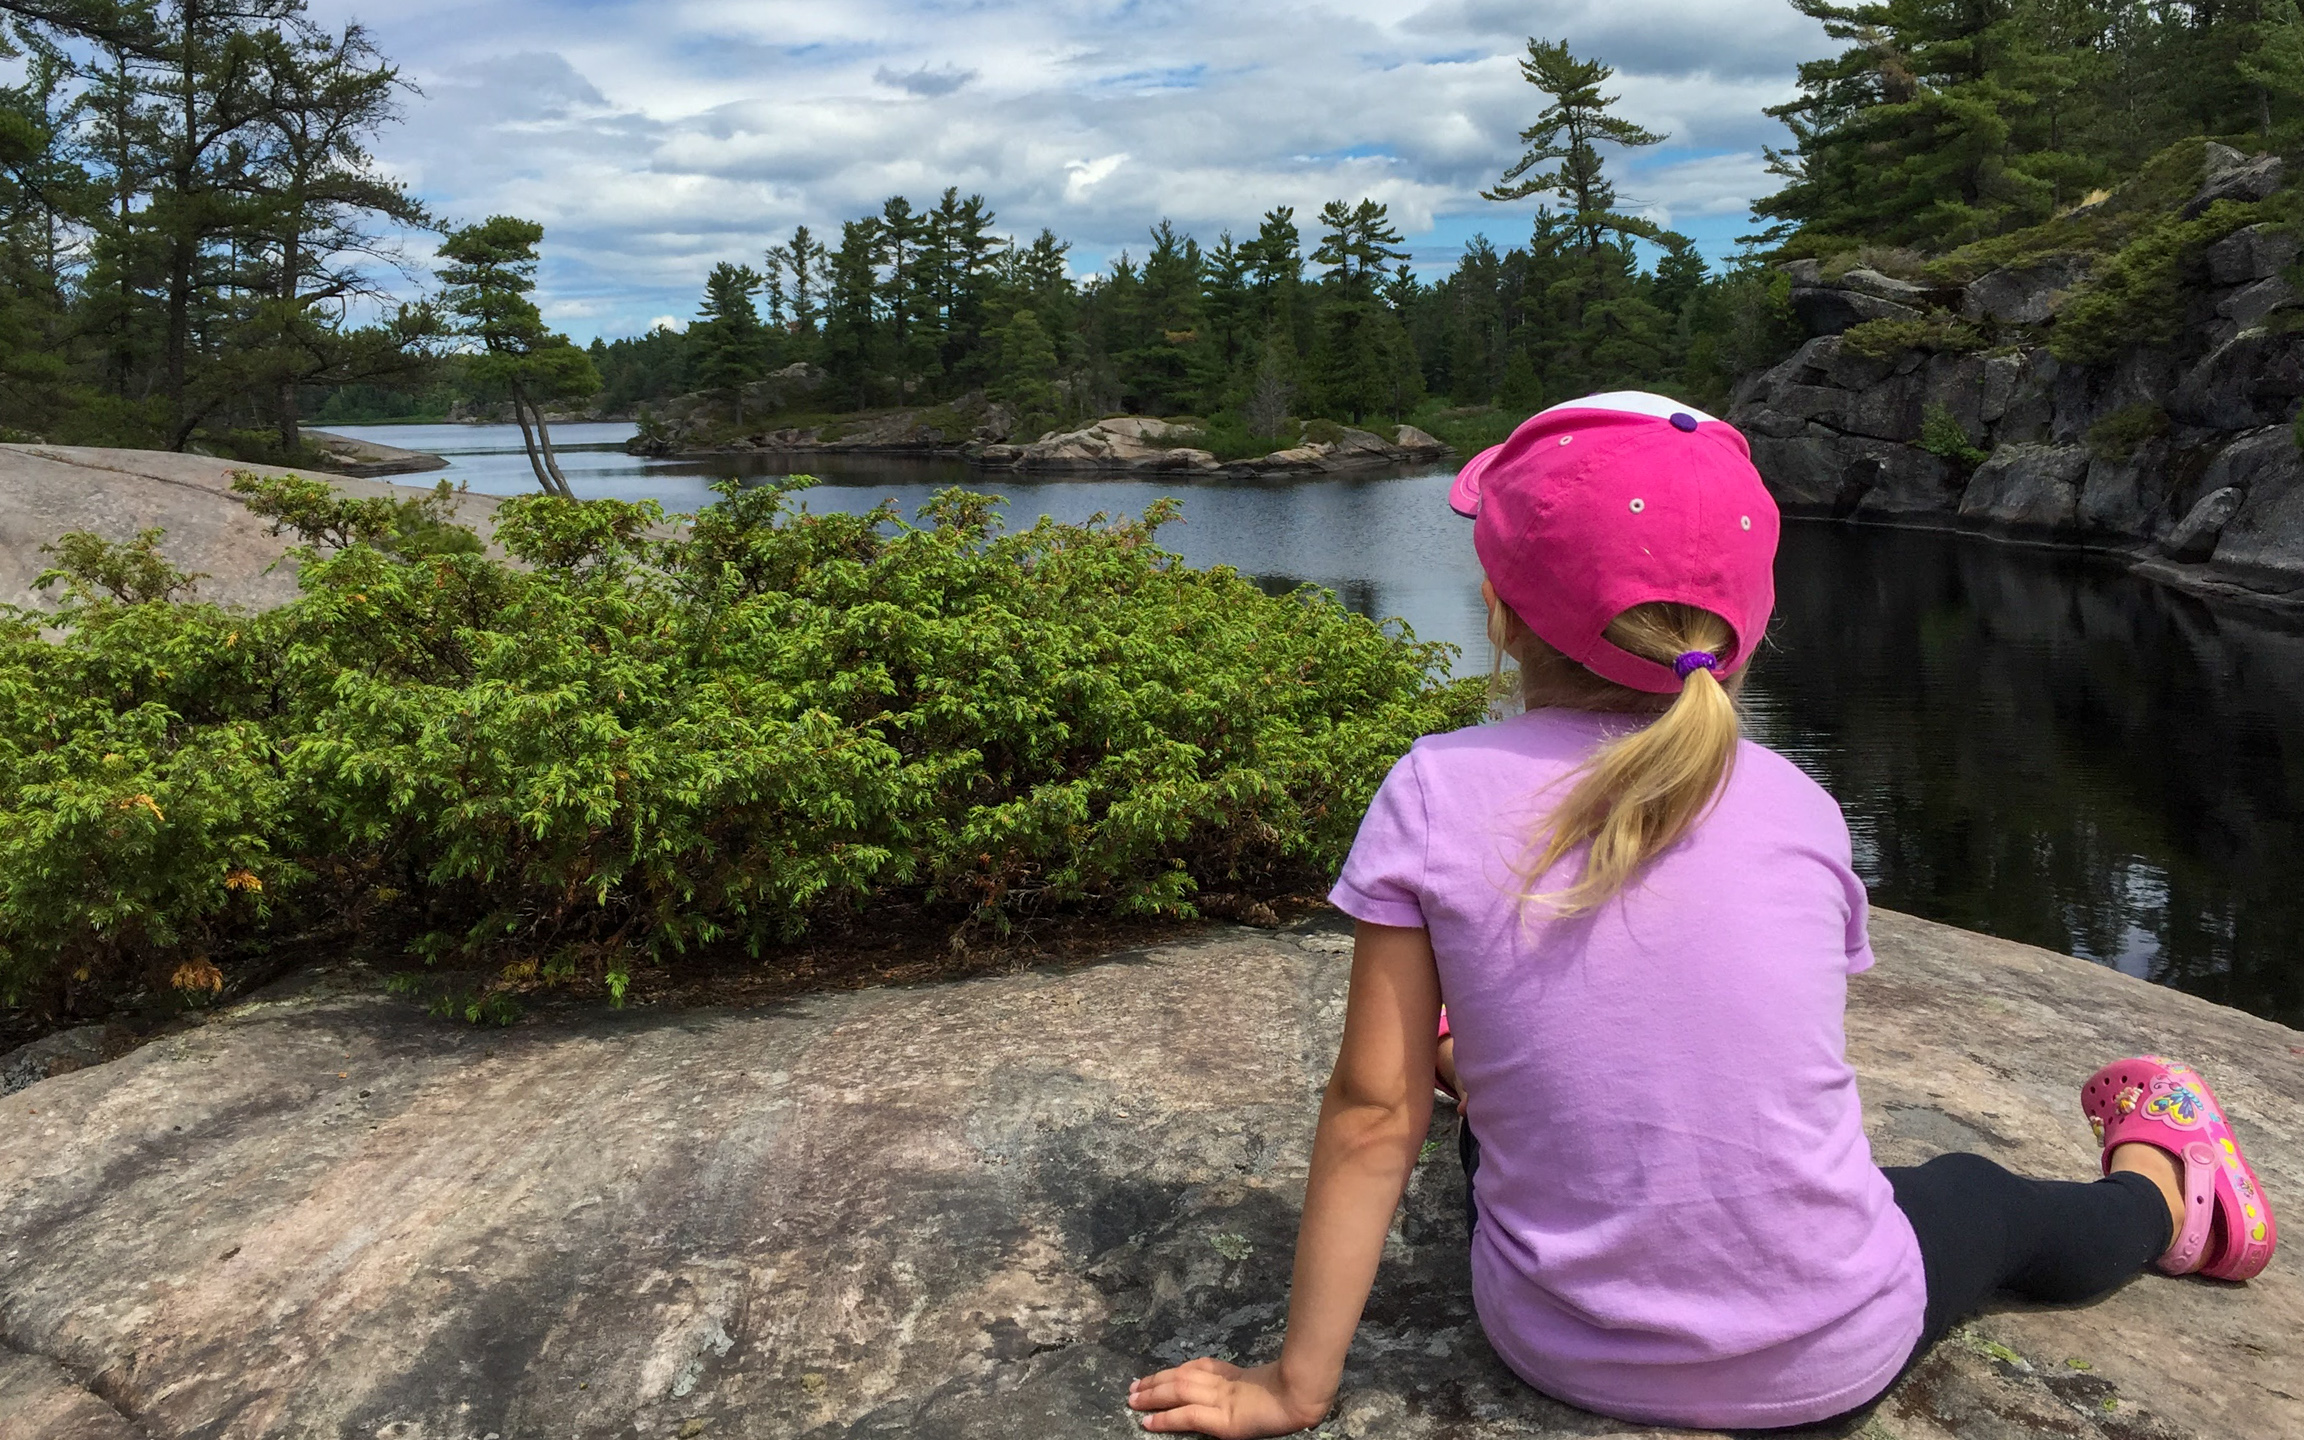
(1372, 1125)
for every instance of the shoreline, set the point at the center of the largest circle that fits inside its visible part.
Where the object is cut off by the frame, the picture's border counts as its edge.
(973, 455)
(2200, 579)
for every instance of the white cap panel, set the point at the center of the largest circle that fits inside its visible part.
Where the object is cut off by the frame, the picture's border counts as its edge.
(1631, 402)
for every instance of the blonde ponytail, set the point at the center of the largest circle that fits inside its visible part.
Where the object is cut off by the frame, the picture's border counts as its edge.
(1637, 796)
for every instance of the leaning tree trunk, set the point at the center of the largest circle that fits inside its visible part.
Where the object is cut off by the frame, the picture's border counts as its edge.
(528, 441)
(551, 463)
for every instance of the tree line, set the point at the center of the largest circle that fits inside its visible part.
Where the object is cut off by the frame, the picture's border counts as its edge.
(197, 249)
(1309, 316)
(195, 239)
(188, 215)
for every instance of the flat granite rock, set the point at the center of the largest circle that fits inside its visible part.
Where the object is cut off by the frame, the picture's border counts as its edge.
(972, 1209)
(46, 490)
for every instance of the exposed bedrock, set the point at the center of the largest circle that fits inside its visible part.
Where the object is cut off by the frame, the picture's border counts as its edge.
(962, 1210)
(2185, 456)
(46, 490)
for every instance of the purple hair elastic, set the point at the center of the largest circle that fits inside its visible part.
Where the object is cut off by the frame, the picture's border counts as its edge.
(1693, 661)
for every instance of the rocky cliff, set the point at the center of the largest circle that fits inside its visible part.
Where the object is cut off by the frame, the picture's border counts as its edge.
(1921, 401)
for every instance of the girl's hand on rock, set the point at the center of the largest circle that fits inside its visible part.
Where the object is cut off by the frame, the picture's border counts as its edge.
(1225, 1401)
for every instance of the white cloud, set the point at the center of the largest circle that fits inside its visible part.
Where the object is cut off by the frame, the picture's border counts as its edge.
(1086, 175)
(655, 137)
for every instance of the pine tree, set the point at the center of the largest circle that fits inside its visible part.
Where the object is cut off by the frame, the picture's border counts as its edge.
(1566, 137)
(1276, 265)
(1942, 124)
(1228, 308)
(730, 345)
(490, 273)
(1355, 357)
(317, 202)
(956, 263)
(43, 196)
(852, 334)
(1163, 362)
(2276, 68)
(906, 295)
(1027, 371)
(799, 265)
(1471, 328)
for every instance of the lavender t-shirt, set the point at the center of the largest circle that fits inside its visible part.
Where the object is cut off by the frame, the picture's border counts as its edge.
(1679, 1217)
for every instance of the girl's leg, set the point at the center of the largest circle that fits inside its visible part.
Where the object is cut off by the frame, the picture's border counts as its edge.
(1982, 1229)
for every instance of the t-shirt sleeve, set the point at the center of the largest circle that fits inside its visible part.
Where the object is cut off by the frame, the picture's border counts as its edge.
(1383, 879)
(1859, 938)
(1859, 926)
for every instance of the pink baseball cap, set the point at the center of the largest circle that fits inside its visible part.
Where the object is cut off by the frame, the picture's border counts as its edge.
(1617, 500)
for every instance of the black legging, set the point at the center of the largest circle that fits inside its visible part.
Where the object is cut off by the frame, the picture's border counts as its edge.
(1982, 1229)
(2059, 1242)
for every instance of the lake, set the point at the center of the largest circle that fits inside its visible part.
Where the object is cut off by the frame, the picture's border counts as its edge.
(2027, 742)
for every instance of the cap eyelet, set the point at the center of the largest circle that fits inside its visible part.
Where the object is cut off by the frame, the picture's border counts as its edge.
(1638, 506)
(1747, 522)
(1566, 438)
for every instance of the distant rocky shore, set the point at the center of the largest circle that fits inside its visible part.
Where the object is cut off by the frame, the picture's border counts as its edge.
(1947, 405)
(985, 433)
(1121, 444)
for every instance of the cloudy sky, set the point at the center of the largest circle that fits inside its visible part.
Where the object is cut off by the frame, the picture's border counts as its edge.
(655, 137)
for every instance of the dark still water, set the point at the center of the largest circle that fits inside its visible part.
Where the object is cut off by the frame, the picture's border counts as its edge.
(2027, 743)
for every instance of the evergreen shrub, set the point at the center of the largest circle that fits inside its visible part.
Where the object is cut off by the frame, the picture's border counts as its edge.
(1468, 429)
(1942, 435)
(1937, 333)
(629, 743)
(2136, 298)
(2118, 436)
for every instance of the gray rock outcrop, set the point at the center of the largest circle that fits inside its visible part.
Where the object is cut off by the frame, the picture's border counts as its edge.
(46, 490)
(979, 431)
(2258, 252)
(958, 1210)
(2029, 295)
(2231, 175)
(2028, 487)
(2195, 536)
(1120, 442)
(368, 460)
(2122, 454)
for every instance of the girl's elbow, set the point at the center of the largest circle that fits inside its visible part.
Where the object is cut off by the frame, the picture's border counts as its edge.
(1380, 1128)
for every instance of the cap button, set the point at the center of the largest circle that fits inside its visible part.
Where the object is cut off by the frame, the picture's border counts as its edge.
(1682, 420)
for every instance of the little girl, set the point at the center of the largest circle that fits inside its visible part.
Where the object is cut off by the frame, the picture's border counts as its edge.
(1644, 929)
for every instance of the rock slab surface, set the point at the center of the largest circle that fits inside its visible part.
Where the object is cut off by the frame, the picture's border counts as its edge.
(958, 1210)
(46, 490)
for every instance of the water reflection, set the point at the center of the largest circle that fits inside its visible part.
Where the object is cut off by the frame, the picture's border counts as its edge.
(2041, 746)
(2028, 743)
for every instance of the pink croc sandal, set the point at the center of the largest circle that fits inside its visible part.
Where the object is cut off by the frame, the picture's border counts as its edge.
(2153, 1101)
